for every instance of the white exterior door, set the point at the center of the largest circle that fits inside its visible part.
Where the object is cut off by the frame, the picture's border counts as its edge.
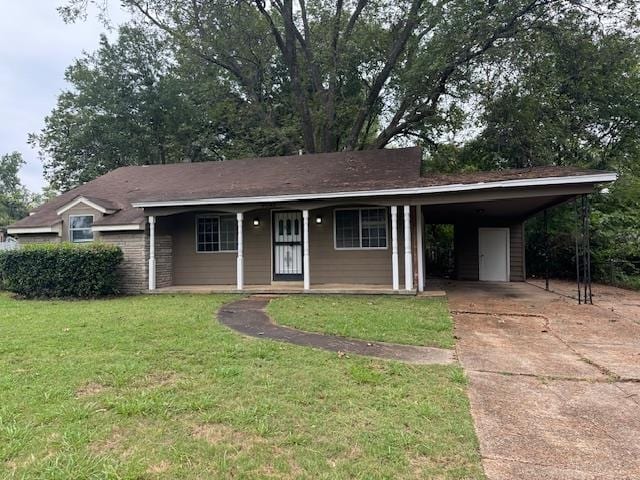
(493, 250)
(287, 246)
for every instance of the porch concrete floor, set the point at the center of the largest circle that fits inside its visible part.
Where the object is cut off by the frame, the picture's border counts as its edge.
(294, 288)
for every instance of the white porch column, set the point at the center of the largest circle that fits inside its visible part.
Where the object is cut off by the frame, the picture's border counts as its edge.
(240, 259)
(152, 252)
(305, 249)
(419, 233)
(408, 257)
(394, 247)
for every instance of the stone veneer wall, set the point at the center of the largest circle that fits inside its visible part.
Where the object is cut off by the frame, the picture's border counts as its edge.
(39, 238)
(134, 266)
(135, 263)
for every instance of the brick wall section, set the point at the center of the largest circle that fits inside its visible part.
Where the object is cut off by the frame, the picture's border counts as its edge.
(135, 262)
(133, 269)
(25, 239)
(164, 262)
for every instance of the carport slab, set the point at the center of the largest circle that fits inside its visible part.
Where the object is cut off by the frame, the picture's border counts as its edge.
(518, 345)
(529, 428)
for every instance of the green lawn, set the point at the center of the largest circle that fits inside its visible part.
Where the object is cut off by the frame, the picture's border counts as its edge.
(154, 387)
(409, 320)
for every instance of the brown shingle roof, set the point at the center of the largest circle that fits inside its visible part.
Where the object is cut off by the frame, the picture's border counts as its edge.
(317, 173)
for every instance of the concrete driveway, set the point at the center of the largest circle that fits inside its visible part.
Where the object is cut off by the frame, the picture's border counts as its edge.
(554, 386)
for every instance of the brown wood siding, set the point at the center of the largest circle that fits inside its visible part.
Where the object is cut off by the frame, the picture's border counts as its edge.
(327, 265)
(466, 251)
(257, 248)
(516, 244)
(367, 267)
(219, 268)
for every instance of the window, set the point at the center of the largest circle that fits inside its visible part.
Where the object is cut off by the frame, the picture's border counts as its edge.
(216, 234)
(80, 228)
(361, 228)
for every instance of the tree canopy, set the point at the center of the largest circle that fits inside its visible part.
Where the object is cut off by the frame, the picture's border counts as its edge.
(15, 200)
(217, 79)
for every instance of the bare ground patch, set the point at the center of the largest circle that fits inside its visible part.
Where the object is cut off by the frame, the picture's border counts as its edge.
(160, 467)
(90, 389)
(158, 379)
(124, 441)
(217, 433)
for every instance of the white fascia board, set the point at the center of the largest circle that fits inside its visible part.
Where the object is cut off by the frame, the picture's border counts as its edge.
(27, 230)
(117, 228)
(458, 187)
(85, 201)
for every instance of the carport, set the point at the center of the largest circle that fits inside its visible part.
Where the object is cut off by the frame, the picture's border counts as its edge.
(488, 228)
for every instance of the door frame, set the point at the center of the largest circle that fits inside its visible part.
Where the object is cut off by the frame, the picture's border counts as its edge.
(284, 277)
(508, 232)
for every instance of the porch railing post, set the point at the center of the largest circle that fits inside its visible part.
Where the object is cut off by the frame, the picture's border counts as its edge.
(394, 248)
(240, 258)
(305, 249)
(152, 252)
(408, 257)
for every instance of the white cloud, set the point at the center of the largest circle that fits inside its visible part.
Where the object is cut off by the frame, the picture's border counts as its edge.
(35, 48)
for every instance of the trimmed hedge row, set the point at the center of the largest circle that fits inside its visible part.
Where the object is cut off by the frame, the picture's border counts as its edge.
(61, 270)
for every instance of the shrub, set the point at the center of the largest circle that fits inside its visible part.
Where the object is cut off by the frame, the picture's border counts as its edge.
(61, 270)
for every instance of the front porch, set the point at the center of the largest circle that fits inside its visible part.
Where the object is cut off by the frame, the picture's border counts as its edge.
(367, 246)
(364, 248)
(286, 288)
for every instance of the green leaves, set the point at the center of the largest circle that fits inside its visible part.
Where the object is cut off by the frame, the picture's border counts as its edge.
(61, 270)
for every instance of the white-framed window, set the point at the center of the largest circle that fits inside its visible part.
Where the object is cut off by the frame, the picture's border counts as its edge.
(80, 228)
(216, 233)
(360, 228)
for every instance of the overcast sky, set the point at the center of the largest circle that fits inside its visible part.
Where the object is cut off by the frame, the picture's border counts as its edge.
(35, 48)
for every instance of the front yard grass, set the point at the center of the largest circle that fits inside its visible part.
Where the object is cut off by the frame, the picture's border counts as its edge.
(154, 387)
(408, 320)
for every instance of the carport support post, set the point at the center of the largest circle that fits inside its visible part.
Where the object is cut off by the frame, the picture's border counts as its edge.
(394, 248)
(305, 249)
(575, 204)
(408, 256)
(152, 252)
(240, 258)
(546, 251)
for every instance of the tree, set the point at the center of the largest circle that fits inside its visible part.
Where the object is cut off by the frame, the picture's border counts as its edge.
(354, 74)
(15, 200)
(576, 101)
(123, 109)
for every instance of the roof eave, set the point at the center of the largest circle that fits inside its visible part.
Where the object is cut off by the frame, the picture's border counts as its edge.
(51, 228)
(605, 177)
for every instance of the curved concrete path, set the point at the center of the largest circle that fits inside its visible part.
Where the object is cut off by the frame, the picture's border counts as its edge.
(247, 316)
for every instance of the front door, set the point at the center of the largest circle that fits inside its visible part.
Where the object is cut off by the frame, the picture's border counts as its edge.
(494, 254)
(287, 245)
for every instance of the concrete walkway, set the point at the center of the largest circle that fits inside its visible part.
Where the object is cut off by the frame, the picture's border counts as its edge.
(247, 316)
(554, 386)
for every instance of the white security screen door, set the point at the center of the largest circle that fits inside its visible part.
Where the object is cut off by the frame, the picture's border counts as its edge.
(493, 252)
(287, 246)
